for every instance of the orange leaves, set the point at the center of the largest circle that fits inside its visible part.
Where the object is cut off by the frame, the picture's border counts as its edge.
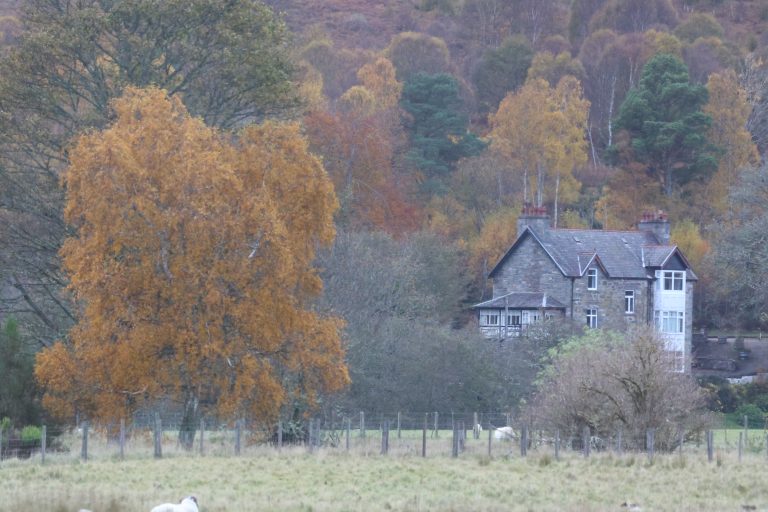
(194, 264)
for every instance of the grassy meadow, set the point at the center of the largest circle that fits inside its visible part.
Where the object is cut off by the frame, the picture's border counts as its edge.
(294, 480)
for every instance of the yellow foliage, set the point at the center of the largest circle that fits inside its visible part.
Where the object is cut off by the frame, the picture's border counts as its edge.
(379, 78)
(192, 261)
(729, 110)
(663, 42)
(687, 236)
(358, 100)
(498, 231)
(542, 131)
(311, 87)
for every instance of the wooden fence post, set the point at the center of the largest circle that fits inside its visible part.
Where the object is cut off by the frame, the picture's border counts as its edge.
(475, 430)
(43, 437)
(585, 441)
(557, 444)
(741, 444)
(349, 429)
(424, 435)
(746, 428)
(158, 436)
(310, 434)
(490, 437)
(279, 435)
(524, 441)
(649, 441)
(1, 443)
(385, 438)
(710, 448)
(455, 442)
(362, 424)
(84, 448)
(436, 431)
(398, 424)
(682, 440)
(122, 438)
(238, 434)
(202, 436)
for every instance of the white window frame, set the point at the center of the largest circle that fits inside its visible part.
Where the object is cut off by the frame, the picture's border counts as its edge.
(669, 322)
(514, 315)
(592, 279)
(591, 314)
(486, 319)
(629, 302)
(673, 280)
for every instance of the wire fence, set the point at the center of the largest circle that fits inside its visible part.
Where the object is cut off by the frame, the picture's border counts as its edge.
(430, 434)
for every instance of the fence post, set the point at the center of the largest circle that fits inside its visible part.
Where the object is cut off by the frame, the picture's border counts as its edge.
(398, 424)
(585, 441)
(524, 441)
(509, 420)
(741, 444)
(238, 434)
(43, 436)
(1, 443)
(346, 437)
(202, 435)
(475, 430)
(710, 448)
(649, 441)
(490, 437)
(462, 435)
(557, 444)
(682, 440)
(122, 438)
(158, 436)
(424, 435)
(437, 432)
(746, 428)
(455, 443)
(385, 438)
(362, 424)
(311, 433)
(84, 449)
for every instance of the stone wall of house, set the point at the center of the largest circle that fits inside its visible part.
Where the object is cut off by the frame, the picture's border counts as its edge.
(608, 298)
(530, 269)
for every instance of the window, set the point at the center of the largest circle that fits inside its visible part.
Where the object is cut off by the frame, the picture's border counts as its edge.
(629, 302)
(677, 360)
(591, 317)
(669, 322)
(673, 280)
(514, 318)
(592, 279)
(489, 319)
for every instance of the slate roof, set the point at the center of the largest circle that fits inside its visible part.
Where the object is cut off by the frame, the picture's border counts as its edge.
(621, 254)
(522, 300)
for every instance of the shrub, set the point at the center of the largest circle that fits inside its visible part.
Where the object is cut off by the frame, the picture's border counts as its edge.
(31, 434)
(755, 416)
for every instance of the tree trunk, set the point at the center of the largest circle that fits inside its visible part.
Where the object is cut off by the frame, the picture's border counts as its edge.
(189, 421)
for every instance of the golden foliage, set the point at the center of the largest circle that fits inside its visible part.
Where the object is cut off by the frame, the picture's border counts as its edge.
(542, 131)
(192, 261)
(729, 110)
(687, 236)
(495, 237)
(379, 78)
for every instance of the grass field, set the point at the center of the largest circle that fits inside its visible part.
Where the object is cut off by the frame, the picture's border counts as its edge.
(263, 480)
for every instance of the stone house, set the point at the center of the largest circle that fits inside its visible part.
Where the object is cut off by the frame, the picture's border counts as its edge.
(602, 278)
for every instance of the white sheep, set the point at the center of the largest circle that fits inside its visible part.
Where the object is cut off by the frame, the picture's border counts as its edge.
(504, 433)
(188, 504)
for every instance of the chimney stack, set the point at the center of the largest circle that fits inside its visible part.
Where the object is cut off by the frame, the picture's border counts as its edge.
(657, 224)
(534, 216)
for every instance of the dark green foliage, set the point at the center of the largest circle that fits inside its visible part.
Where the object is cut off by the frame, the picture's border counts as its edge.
(666, 124)
(755, 416)
(18, 393)
(437, 126)
(502, 70)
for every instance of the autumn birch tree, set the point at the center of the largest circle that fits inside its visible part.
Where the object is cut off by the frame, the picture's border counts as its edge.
(541, 130)
(192, 264)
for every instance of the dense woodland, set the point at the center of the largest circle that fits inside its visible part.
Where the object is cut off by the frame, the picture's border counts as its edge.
(434, 121)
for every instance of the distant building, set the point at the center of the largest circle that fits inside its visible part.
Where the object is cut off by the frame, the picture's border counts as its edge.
(602, 278)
